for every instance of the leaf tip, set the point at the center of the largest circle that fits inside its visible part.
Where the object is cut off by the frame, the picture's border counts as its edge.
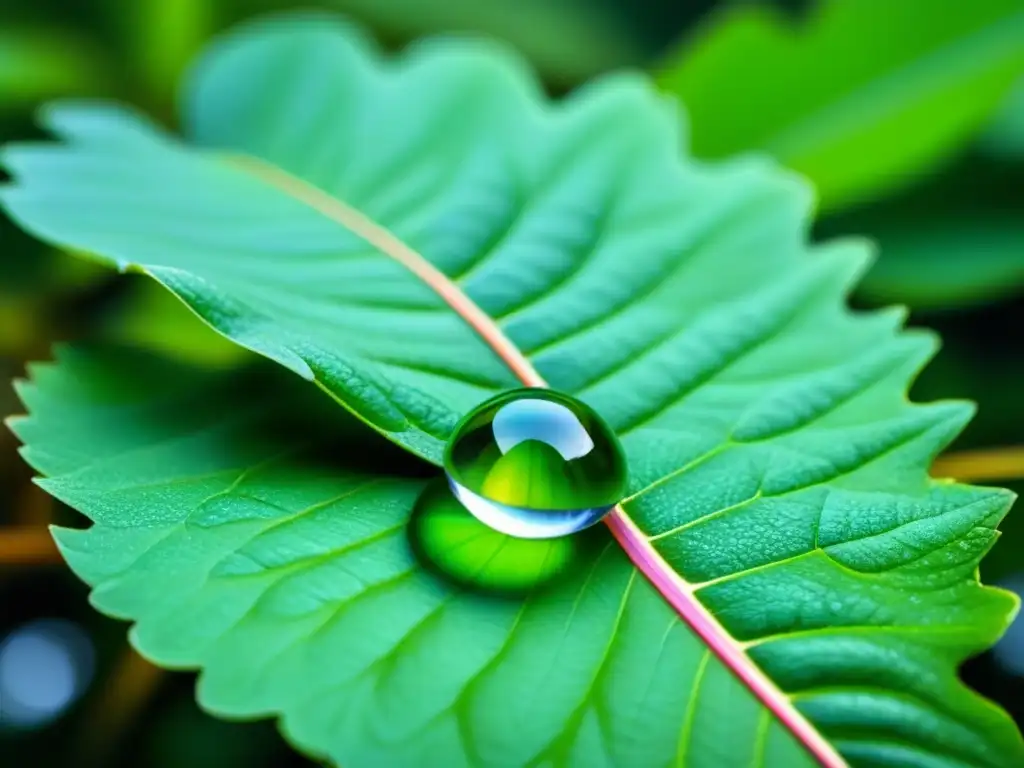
(64, 538)
(23, 388)
(12, 422)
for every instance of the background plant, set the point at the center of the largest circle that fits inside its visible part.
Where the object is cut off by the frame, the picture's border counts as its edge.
(57, 299)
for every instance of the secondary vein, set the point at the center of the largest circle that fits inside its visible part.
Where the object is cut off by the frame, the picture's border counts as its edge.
(677, 592)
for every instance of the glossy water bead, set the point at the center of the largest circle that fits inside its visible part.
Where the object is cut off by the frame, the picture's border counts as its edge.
(534, 463)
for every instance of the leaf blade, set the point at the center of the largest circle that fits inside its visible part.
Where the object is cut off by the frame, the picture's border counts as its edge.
(755, 81)
(233, 583)
(743, 398)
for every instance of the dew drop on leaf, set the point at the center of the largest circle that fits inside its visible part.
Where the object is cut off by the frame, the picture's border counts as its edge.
(535, 464)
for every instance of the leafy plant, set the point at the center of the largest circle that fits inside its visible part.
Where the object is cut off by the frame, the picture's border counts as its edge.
(955, 242)
(38, 64)
(1006, 136)
(857, 125)
(413, 235)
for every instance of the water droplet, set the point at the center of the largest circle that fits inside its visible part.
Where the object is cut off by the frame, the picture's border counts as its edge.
(535, 464)
(459, 547)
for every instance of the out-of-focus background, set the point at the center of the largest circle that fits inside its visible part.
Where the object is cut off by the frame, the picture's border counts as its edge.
(908, 116)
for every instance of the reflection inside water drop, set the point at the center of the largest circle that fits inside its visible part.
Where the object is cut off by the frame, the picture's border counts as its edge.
(535, 463)
(461, 548)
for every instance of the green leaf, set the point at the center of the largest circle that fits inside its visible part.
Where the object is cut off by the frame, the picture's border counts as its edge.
(302, 596)
(1005, 137)
(162, 38)
(776, 465)
(151, 318)
(566, 40)
(861, 97)
(33, 279)
(37, 64)
(249, 552)
(939, 262)
(959, 241)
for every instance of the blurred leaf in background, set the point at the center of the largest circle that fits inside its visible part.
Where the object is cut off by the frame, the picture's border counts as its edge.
(40, 63)
(161, 38)
(861, 97)
(956, 241)
(150, 317)
(566, 40)
(1005, 137)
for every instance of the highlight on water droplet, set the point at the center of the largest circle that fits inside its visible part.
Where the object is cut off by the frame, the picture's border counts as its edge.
(534, 463)
(461, 548)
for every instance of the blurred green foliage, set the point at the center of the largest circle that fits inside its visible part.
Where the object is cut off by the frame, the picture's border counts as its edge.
(859, 97)
(908, 116)
(1005, 136)
(956, 241)
(39, 63)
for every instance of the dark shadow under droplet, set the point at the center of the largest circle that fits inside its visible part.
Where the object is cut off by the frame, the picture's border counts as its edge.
(459, 547)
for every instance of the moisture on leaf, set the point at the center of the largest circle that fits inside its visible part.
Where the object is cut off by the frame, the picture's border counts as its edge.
(535, 463)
